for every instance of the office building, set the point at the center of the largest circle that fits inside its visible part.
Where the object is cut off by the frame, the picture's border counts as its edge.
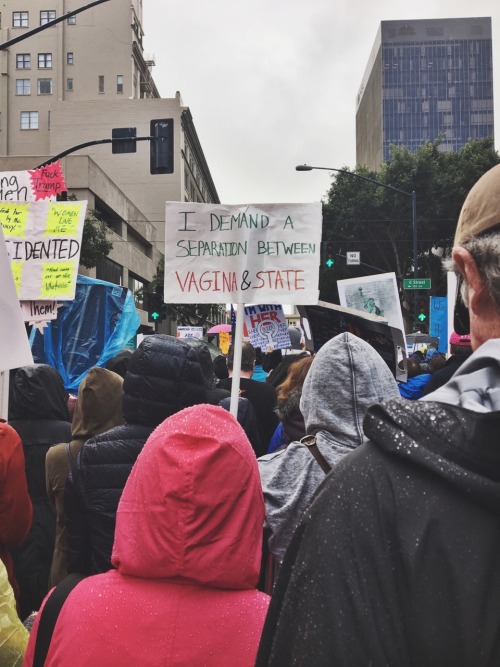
(75, 82)
(425, 79)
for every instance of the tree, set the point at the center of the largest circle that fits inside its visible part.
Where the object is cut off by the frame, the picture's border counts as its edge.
(185, 314)
(361, 216)
(95, 242)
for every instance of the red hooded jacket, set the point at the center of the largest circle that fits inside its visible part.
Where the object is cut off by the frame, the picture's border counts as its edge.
(187, 551)
(15, 503)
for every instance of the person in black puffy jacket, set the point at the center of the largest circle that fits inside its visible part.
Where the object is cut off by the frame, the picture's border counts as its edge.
(163, 377)
(38, 412)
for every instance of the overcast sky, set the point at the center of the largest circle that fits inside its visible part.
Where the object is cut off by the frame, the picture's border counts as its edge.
(272, 83)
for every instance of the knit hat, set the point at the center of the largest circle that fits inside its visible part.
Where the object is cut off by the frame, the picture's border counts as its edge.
(295, 337)
(481, 209)
(457, 339)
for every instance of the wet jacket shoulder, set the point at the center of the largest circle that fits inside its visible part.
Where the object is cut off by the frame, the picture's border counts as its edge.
(164, 376)
(387, 548)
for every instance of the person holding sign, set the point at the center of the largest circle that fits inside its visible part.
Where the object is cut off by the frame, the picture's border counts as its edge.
(261, 395)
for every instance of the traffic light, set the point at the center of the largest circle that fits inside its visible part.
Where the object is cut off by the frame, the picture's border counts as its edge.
(423, 310)
(162, 146)
(327, 259)
(155, 307)
(124, 134)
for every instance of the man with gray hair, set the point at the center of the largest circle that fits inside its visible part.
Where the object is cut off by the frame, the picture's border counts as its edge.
(396, 562)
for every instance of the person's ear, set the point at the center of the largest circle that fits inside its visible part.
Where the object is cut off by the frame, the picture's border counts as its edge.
(478, 294)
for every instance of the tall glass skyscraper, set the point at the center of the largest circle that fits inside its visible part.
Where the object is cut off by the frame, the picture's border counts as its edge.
(425, 79)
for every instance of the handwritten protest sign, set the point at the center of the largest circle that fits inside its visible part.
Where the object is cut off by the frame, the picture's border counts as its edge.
(252, 254)
(32, 185)
(266, 326)
(14, 346)
(43, 240)
(39, 311)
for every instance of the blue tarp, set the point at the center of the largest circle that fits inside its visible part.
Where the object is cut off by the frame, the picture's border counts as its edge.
(88, 331)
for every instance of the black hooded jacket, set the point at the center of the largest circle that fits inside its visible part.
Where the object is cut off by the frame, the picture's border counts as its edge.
(396, 563)
(163, 377)
(38, 412)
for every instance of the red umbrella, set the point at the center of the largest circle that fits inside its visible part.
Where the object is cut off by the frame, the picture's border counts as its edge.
(220, 328)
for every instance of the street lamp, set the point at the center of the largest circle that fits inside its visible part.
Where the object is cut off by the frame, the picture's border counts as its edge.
(413, 195)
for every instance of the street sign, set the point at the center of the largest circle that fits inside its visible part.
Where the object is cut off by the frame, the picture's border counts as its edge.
(353, 257)
(416, 283)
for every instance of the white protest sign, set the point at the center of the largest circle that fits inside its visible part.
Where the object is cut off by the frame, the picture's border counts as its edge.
(376, 295)
(257, 253)
(189, 332)
(43, 240)
(266, 326)
(14, 346)
(39, 311)
(32, 185)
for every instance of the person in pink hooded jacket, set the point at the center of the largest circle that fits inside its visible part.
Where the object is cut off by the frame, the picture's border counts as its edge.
(187, 554)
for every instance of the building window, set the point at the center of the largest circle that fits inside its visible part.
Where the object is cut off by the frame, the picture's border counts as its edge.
(69, 84)
(44, 60)
(29, 120)
(44, 87)
(72, 20)
(23, 87)
(70, 58)
(23, 61)
(119, 83)
(101, 83)
(136, 284)
(110, 271)
(20, 19)
(47, 16)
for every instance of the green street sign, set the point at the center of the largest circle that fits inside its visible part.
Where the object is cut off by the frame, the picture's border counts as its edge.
(416, 283)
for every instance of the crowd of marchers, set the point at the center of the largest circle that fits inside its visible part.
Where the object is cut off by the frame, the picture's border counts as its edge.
(341, 518)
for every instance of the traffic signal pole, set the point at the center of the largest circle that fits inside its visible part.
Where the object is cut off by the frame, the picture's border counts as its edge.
(95, 142)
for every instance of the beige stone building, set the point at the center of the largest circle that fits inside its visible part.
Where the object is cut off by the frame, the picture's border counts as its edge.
(75, 82)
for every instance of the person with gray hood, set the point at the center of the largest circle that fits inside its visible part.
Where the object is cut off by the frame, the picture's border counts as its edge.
(396, 560)
(346, 376)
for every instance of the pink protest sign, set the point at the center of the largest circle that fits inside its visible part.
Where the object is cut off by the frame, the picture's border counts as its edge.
(47, 181)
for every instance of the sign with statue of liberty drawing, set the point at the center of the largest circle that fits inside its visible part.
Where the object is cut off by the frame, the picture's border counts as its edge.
(376, 295)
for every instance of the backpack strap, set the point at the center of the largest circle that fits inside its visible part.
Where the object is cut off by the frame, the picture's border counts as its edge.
(49, 615)
(69, 453)
(310, 442)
